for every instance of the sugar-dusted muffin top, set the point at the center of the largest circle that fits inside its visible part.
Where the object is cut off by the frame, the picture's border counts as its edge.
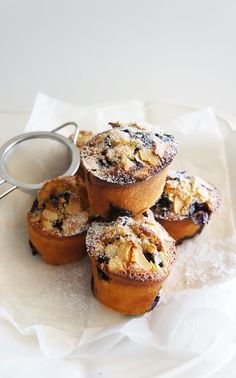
(128, 153)
(186, 196)
(61, 208)
(137, 248)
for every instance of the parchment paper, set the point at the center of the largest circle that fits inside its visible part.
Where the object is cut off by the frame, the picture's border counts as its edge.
(194, 325)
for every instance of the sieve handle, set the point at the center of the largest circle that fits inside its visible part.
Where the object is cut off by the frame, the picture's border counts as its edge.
(69, 124)
(4, 194)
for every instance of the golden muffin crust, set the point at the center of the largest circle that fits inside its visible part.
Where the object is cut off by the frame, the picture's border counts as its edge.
(61, 208)
(186, 196)
(128, 153)
(137, 248)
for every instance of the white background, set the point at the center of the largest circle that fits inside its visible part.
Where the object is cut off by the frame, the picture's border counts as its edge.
(178, 51)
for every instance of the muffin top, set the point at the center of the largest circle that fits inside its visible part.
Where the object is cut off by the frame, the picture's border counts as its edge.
(61, 208)
(186, 196)
(137, 248)
(128, 153)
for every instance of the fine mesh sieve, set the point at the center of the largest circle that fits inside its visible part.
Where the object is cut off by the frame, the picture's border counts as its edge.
(29, 159)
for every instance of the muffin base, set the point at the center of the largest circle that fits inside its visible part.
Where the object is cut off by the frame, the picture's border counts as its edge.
(57, 250)
(124, 295)
(109, 200)
(180, 230)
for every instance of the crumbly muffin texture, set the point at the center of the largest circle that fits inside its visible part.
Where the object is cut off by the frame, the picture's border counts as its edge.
(128, 153)
(186, 196)
(61, 208)
(137, 248)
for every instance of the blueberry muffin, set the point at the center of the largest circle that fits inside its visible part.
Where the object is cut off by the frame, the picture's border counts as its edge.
(58, 221)
(186, 205)
(130, 259)
(126, 168)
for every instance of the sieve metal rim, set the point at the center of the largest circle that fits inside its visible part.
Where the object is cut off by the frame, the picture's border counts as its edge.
(10, 144)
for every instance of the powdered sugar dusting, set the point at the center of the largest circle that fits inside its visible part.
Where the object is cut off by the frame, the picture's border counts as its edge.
(128, 153)
(200, 262)
(75, 224)
(137, 248)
